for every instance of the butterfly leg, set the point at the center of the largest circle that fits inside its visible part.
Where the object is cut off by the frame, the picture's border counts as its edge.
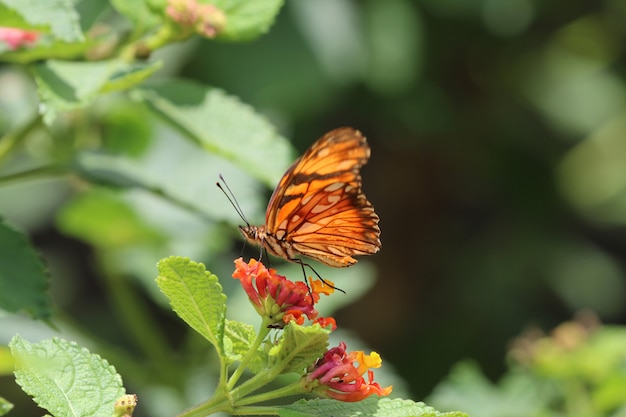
(302, 265)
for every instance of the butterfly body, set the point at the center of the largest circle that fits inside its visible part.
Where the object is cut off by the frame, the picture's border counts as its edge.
(318, 209)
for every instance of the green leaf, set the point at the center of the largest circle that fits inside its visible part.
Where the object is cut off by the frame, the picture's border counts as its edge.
(222, 125)
(299, 347)
(40, 51)
(65, 86)
(127, 129)
(102, 218)
(66, 379)
(23, 276)
(374, 407)
(238, 338)
(128, 76)
(196, 296)
(5, 406)
(245, 19)
(176, 171)
(58, 17)
(112, 170)
(138, 12)
(7, 364)
(516, 395)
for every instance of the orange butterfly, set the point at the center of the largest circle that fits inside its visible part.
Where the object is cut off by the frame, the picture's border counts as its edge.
(318, 209)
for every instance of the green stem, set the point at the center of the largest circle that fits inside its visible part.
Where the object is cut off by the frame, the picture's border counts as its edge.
(163, 36)
(252, 353)
(138, 323)
(42, 172)
(291, 389)
(257, 381)
(221, 403)
(214, 405)
(255, 411)
(11, 140)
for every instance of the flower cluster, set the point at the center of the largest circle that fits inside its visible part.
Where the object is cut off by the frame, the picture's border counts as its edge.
(206, 19)
(278, 299)
(125, 406)
(16, 38)
(337, 374)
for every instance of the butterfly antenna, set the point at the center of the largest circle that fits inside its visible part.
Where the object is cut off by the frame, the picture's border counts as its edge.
(231, 197)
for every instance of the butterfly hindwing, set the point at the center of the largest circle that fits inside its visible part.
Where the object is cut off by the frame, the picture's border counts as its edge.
(318, 208)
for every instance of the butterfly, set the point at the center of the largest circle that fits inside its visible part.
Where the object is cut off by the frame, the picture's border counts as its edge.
(318, 209)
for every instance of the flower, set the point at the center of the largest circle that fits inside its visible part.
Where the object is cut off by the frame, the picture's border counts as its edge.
(205, 19)
(277, 298)
(15, 38)
(336, 376)
(326, 321)
(125, 405)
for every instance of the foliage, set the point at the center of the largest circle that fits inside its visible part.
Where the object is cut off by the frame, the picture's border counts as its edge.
(578, 370)
(82, 77)
(64, 378)
(497, 169)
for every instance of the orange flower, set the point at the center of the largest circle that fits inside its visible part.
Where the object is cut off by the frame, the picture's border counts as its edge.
(326, 321)
(274, 296)
(336, 376)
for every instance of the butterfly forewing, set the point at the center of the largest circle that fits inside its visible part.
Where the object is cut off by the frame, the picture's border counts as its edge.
(318, 208)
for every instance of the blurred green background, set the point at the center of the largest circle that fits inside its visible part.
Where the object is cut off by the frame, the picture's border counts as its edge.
(498, 169)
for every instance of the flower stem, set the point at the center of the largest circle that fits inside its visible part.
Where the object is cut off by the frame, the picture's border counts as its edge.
(35, 173)
(291, 389)
(11, 140)
(252, 352)
(214, 405)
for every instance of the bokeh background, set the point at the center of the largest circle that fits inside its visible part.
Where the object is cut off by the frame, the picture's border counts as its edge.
(498, 169)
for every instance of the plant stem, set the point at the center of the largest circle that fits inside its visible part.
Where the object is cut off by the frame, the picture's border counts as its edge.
(42, 172)
(291, 389)
(256, 411)
(252, 352)
(11, 140)
(215, 404)
(136, 320)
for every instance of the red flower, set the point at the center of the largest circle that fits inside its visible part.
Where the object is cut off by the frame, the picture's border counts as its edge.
(274, 296)
(15, 38)
(336, 376)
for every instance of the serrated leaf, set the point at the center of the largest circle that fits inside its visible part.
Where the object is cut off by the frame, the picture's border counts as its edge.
(196, 296)
(221, 124)
(246, 20)
(66, 379)
(59, 17)
(23, 276)
(299, 347)
(65, 86)
(5, 406)
(373, 407)
(238, 338)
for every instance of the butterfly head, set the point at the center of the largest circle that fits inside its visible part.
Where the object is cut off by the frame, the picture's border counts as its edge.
(253, 234)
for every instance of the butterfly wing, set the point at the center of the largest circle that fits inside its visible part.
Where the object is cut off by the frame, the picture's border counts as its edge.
(318, 209)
